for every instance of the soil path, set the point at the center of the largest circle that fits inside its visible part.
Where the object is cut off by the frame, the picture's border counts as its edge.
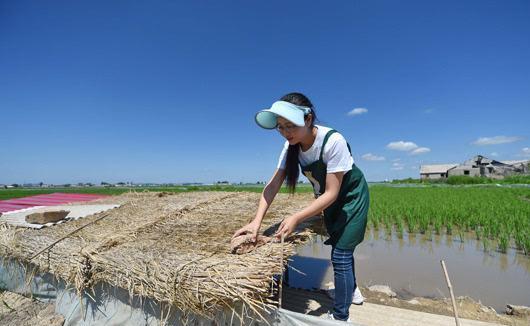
(379, 309)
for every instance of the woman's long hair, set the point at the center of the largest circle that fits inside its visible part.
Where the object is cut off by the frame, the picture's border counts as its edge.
(291, 163)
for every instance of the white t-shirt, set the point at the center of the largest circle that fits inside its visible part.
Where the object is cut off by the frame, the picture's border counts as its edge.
(336, 155)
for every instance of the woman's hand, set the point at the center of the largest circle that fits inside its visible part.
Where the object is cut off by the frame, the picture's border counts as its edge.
(252, 228)
(286, 227)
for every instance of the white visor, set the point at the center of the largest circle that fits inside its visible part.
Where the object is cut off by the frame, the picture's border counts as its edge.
(268, 119)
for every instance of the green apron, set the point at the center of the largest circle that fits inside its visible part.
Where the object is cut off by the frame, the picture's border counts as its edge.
(346, 217)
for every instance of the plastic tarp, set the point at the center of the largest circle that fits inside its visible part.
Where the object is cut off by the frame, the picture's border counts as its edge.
(56, 198)
(18, 218)
(109, 305)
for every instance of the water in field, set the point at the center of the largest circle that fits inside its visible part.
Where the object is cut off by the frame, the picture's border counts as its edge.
(411, 267)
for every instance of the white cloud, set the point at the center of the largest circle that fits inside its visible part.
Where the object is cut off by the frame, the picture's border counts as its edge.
(372, 157)
(396, 160)
(402, 146)
(357, 111)
(414, 167)
(526, 151)
(421, 150)
(428, 111)
(494, 154)
(397, 167)
(496, 140)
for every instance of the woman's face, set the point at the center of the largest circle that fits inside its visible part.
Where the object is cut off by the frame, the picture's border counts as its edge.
(290, 131)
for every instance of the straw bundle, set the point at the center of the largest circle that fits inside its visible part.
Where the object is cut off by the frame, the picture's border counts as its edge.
(172, 248)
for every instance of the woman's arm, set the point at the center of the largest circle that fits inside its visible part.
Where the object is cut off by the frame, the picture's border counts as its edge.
(333, 183)
(267, 196)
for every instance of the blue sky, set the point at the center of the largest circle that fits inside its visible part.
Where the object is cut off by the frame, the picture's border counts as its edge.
(166, 91)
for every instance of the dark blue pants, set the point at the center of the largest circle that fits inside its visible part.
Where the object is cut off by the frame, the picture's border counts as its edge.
(344, 273)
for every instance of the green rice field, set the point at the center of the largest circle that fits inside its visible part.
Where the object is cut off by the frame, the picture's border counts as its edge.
(499, 217)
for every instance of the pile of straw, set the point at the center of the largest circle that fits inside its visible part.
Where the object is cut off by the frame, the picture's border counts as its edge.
(173, 248)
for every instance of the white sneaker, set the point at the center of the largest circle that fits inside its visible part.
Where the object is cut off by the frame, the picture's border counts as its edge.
(358, 298)
(330, 316)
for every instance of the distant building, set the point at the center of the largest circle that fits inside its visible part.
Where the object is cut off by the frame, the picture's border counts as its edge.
(436, 171)
(479, 166)
(523, 165)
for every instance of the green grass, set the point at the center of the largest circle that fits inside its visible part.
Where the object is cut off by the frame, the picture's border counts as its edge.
(22, 192)
(465, 180)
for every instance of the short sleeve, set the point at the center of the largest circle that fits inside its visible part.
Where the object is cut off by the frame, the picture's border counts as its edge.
(283, 156)
(336, 155)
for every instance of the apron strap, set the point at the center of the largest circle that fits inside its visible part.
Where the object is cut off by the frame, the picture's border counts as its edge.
(331, 132)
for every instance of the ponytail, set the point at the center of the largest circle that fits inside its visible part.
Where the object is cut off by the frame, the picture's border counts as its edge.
(292, 169)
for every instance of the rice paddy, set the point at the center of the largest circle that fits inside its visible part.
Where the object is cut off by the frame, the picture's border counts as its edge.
(497, 216)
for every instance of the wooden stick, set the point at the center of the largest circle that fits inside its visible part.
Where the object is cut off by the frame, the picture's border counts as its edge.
(66, 236)
(281, 275)
(455, 311)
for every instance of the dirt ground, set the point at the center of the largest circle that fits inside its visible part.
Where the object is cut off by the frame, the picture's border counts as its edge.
(467, 307)
(17, 310)
(318, 302)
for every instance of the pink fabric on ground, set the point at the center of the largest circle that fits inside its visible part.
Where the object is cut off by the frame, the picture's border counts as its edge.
(57, 198)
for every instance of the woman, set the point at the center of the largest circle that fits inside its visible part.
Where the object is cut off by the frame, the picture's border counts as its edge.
(340, 189)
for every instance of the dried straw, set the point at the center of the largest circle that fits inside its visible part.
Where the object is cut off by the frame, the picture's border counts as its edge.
(173, 248)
